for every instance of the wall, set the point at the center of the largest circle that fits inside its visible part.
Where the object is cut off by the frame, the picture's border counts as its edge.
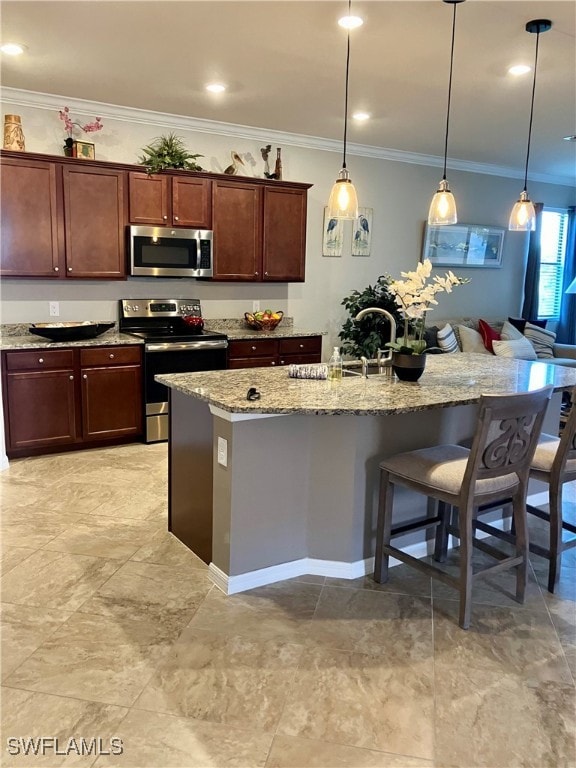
(399, 192)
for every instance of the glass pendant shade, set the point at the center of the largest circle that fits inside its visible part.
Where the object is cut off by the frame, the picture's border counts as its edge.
(443, 207)
(343, 202)
(523, 216)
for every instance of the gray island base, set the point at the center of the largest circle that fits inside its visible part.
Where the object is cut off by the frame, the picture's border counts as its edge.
(269, 489)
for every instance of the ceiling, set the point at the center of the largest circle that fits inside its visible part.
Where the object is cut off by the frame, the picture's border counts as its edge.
(284, 64)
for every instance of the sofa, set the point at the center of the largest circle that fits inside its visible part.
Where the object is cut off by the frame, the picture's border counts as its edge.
(506, 338)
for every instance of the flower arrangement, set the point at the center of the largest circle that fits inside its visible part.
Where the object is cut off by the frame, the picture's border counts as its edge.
(415, 296)
(168, 152)
(69, 124)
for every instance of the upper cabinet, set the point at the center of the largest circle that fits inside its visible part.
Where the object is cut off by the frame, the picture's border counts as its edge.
(170, 201)
(67, 218)
(32, 238)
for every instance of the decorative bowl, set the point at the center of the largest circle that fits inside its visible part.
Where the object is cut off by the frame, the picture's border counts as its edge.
(266, 323)
(71, 331)
(193, 323)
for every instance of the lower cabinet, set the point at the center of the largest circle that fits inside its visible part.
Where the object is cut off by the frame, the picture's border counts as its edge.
(71, 398)
(259, 353)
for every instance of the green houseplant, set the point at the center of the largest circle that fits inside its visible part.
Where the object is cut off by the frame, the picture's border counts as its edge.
(365, 337)
(168, 152)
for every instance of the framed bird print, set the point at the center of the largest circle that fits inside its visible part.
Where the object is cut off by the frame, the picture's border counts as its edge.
(333, 237)
(362, 233)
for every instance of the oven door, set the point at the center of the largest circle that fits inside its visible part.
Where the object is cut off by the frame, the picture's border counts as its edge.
(174, 357)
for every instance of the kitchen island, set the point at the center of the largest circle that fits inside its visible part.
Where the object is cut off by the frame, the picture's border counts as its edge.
(287, 484)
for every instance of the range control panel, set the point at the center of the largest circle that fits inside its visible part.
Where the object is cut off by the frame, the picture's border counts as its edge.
(160, 307)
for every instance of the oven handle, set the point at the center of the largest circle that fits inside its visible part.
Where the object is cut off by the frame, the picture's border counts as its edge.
(186, 345)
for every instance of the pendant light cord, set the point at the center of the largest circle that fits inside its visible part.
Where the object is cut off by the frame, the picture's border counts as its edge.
(449, 89)
(346, 88)
(531, 111)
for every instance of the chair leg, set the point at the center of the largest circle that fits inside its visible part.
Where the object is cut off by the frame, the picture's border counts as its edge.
(555, 496)
(441, 543)
(384, 530)
(520, 518)
(466, 549)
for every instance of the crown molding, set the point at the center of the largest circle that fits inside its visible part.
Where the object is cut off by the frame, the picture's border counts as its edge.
(49, 101)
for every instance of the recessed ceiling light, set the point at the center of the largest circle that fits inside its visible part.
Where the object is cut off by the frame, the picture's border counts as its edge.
(216, 87)
(12, 49)
(570, 138)
(361, 116)
(350, 22)
(519, 69)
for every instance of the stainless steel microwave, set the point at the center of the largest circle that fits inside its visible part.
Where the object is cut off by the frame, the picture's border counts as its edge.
(170, 252)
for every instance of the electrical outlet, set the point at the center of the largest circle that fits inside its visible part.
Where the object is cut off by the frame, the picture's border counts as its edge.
(223, 451)
(54, 308)
(255, 306)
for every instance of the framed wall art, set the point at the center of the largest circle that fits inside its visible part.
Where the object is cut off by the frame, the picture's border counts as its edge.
(83, 149)
(362, 233)
(333, 237)
(463, 245)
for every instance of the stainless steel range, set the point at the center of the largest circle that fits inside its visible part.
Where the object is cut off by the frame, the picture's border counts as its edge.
(173, 344)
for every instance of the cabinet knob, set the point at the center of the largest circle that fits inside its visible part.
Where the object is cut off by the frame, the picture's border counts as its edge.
(165, 218)
(69, 269)
(253, 349)
(176, 218)
(301, 346)
(265, 273)
(256, 274)
(40, 359)
(72, 378)
(272, 363)
(111, 356)
(85, 376)
(56, 269)
(282, 362)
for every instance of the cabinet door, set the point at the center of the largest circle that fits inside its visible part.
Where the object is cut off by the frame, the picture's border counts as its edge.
(41, 409)
(191, 202)
(111, 402)
(149, 199)
(31, 242)
(94, 214)
(237, 217)
(284, 234)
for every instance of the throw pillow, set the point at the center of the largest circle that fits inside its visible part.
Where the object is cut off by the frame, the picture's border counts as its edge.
(542, 340)
(510, 332)
(447, 340)
(471, 340)
(520, 323)
(518, 348)
(488, 334)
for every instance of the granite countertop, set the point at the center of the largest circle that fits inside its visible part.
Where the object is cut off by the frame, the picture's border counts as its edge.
(236, 334)
(31, 341)
(447, 381)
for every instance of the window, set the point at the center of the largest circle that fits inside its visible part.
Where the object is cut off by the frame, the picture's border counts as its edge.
(553, 250)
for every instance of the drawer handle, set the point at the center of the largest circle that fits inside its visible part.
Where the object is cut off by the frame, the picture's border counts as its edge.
(111, 356)
(272, 363)
(40, 359)
(253, 349)
(84, 377)
(71, 378)
(282, 362)
(56, 269)
(301, 346)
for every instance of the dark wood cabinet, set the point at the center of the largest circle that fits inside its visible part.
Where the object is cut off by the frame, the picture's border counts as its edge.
(111, 392)
(260, 353)
(164, 200)
(40, 393)
(71, 398)
(94, 216)
(284, 247)
(31, 241)
(237, 217)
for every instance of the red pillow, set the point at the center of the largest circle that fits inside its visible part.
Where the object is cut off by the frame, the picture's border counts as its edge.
(488, 334)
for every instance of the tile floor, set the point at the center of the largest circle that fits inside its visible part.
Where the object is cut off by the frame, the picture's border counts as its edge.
(111, 628)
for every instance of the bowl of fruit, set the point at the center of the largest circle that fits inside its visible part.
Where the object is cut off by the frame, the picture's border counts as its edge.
(264, 321)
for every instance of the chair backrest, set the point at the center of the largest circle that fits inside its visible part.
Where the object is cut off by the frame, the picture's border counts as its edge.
(506, 436)
(567, 448)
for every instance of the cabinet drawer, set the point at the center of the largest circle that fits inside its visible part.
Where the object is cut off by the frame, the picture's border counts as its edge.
(253, 362)
(109, 356)
(252, 348)
(299, 359)
(41, 358)
(302, 345)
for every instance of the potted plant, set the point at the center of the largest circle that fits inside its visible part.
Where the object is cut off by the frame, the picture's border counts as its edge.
(365, 337)
(415, 296)
(168, 152)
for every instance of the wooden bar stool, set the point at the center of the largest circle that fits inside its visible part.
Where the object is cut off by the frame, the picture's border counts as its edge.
(554, 463)
(495, 468)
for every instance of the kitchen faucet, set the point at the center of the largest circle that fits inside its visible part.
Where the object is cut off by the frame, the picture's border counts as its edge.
(392, 321)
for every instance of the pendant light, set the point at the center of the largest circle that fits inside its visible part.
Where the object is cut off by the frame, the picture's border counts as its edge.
(443, 206)
(343, 202)
(523, 216)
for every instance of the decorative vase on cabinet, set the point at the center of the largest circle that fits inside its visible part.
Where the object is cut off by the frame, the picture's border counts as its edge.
(13, 134)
